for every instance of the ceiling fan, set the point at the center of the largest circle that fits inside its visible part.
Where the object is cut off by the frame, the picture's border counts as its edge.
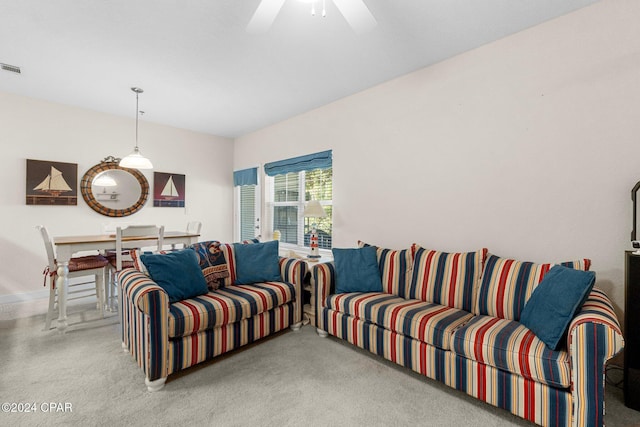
(354, 11)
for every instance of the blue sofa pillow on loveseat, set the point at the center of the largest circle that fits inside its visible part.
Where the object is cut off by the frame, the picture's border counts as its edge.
(555, 302)
(178, 273)
(357, 270)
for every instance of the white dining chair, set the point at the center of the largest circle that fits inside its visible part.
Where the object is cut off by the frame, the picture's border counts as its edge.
(84, 266)
(193, 227)
(153, 238)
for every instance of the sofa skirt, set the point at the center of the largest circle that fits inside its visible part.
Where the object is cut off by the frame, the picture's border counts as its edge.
(539, 403)
(199, 347)
(416, 355)
(533, 401)
(182, 353)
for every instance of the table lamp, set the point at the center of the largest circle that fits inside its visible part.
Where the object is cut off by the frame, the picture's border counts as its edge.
(313, 209)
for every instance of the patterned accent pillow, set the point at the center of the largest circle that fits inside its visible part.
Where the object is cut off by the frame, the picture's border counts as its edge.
(449, 279)
(212, 262)
(395, 269)
(137, 262)
(507, 285)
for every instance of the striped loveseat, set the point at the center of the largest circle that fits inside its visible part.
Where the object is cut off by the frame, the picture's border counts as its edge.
(454, 317)
(164, 338)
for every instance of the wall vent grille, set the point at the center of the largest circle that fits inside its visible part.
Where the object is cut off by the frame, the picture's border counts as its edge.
(11, 68)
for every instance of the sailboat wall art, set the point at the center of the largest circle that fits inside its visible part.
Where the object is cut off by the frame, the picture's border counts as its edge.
(168, 190)
(52, 183)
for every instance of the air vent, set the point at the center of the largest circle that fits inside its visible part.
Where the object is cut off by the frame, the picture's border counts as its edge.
(11, 68)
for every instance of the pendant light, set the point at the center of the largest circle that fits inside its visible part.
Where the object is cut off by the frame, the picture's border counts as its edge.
(136, 160)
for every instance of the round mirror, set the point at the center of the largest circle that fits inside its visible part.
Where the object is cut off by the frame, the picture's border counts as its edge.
(114, 191)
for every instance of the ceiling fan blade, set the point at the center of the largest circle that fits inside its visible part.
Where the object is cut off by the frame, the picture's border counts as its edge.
(264, 16)
(357, 14)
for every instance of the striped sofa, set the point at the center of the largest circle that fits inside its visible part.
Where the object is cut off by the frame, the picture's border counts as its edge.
(165, 338)
(454, 317)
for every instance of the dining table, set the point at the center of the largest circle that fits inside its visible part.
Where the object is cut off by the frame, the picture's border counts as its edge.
(67, 246)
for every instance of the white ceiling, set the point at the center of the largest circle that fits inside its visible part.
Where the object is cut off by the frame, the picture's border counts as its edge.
(201, 70)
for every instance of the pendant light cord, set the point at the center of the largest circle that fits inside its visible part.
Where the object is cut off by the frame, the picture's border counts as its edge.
(137, 113)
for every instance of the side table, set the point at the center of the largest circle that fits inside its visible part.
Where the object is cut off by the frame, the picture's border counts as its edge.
(308, 297)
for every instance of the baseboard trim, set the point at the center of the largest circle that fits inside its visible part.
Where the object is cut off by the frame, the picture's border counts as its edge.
(24, 297)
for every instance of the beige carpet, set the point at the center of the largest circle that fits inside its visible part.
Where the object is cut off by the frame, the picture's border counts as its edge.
(292, 379)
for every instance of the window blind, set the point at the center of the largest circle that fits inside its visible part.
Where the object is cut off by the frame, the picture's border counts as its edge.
(247, 212)
(320, 160)
(245, 177)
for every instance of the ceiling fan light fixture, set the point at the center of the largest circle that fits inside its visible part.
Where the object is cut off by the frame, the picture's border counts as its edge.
(355, 12)
(136, 160)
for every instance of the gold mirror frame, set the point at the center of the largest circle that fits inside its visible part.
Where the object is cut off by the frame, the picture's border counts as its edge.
(111, 163)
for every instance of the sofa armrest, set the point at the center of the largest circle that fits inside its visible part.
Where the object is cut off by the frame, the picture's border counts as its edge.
(145, 322)
(293, 270)
(594, 337)
(323, 284)
(141, 290)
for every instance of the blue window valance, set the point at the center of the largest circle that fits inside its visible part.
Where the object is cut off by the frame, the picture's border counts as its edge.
(245, 177)
(320, 160)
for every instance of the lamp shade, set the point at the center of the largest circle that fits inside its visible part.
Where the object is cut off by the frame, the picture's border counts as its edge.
(136, 160)
(313, 209)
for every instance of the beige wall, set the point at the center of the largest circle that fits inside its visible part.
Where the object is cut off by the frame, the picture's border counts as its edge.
(33, 129)
(528, 146)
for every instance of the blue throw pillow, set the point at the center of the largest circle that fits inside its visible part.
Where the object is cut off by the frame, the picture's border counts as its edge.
(555, 302)
(178, 273)
(258, 262)
(357, 270)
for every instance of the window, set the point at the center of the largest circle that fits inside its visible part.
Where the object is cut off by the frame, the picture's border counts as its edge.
(249, 216)
(288, 192)
(247, 196)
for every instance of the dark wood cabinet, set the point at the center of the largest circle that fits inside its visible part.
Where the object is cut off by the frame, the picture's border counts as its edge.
(632, 331)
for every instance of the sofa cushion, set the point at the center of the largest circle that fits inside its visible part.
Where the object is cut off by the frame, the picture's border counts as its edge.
(507, 285)
(257, 263)
(555, 302)
(212, 262)
(430, 323)
(449, 279)
(178, 273)
(133, 259)
(395, 269)
(226, 305)
(357, 270)
(510, 346)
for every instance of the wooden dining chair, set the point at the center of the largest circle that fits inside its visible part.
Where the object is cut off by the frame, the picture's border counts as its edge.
(85, 266)
(193, 227)
(153, 238)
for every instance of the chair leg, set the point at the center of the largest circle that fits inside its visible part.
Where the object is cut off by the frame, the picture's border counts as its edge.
(51, 310)
(118, 294)
(109, 289)
(100, 292)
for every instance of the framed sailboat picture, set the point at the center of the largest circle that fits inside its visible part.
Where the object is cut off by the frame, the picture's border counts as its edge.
(168, 190)
(52, 183)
